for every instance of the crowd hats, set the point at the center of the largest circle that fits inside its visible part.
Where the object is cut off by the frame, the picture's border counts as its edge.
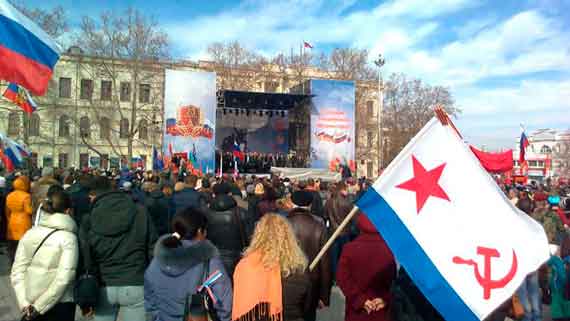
(302, 198)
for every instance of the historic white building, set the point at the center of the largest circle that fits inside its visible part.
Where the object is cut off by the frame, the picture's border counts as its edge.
(97, 111)
(548, 155)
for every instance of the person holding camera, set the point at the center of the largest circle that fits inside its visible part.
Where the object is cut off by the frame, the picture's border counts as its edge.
(44, 269)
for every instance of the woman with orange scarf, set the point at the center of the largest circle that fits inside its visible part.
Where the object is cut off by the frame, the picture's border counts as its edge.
(270, 282)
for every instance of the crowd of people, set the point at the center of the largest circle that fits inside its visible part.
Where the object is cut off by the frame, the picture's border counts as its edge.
(253, 162)
(153, 246)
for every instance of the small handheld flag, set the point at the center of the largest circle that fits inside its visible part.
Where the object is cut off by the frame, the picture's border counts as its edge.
(20, 97)
(237, 152)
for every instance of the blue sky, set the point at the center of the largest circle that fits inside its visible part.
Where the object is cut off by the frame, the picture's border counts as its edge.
(506, 62)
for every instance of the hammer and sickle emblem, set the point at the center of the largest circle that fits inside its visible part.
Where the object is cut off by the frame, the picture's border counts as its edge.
(485, 280)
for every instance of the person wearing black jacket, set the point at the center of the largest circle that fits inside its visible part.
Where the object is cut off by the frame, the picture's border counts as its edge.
(229, 226)
(79, 193)
(118, 238)
(159, 209)
(189, 196)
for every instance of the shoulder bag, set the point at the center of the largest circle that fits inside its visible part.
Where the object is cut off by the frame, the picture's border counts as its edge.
(200, 305)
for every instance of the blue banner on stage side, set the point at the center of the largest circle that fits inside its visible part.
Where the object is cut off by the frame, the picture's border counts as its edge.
(332, 124)
(189, 112)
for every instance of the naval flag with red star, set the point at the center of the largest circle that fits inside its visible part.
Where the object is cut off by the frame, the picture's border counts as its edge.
(465, 246)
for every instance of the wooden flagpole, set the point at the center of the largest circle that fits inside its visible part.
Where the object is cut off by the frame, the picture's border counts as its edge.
(335, 235)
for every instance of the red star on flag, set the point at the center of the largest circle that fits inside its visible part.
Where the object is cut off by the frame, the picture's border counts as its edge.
(424, 183)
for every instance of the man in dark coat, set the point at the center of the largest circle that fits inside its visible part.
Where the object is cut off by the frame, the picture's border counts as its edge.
(189, 196)
(117, 240)
(79, 193)
(336, 209)
(312, 235)
(159, 208)
(229, 226)
(317, 203)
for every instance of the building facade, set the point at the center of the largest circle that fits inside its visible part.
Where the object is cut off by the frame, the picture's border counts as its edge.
(98, 111)
(547, 156)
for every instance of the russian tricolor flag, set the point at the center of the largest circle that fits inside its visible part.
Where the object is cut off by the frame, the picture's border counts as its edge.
(523, 145)
(237, 152)
(12, 154)
(27, 53)
(466, 247)
(20, 97)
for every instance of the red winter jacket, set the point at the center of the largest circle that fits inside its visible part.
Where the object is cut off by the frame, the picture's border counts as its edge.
(365, 272)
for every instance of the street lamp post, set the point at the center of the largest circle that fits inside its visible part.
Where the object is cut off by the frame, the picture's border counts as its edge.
(379, 62)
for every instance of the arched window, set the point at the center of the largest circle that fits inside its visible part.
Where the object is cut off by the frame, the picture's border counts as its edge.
(14, 123)
(105, 128)
(64, 126)
(35, 125)
(545, 149)
(85, 127)
(124, 128)
(370, 108)
(143, 129)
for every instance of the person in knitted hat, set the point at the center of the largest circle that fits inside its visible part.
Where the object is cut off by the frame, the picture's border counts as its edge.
(312, 235)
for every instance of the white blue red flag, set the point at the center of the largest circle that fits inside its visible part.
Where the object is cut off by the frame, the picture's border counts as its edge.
(450, 226)
(20, 96)
(237, 152)
(12, 154)
(27, 53)
(523, 144)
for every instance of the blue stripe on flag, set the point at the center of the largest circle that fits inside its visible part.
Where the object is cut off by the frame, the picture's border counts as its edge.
(12, 156)
(412, 257)
(21, 40)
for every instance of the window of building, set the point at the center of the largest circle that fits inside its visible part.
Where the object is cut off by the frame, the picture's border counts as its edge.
(271, 86)
(143, 129)
(370, 138)
(64, 126)
(64, 87)
(34, 125)
(540, 163)
(532, 163)
(370, 108)
(124, 128)
(106, 89)
(125, 91)
(47, 161)
(85, 127)
(144, 93)
(13, 123)
(34, 159)
(86, 90)
(62, 160)
(105, 161)
(369, 170)
(83, 160)
(545, 149)
(104, 128)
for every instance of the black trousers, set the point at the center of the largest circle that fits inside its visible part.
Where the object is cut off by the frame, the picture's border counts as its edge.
(59, 312)
(12, 247)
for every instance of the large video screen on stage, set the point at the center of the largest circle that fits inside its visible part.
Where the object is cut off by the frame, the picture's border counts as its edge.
(189, 115)
(332, 124)
(254, 133)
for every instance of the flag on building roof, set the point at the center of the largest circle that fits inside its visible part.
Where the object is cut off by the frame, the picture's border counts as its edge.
(452, 241)
(28, 53)
(307, 45)
(20, 97)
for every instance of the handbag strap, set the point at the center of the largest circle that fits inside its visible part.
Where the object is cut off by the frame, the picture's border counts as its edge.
(240, 226)
(42, 242)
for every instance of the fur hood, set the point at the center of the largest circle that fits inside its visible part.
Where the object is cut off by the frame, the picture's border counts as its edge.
(177, 261)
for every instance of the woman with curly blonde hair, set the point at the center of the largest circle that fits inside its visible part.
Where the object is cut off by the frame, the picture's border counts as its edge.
(270, 282)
